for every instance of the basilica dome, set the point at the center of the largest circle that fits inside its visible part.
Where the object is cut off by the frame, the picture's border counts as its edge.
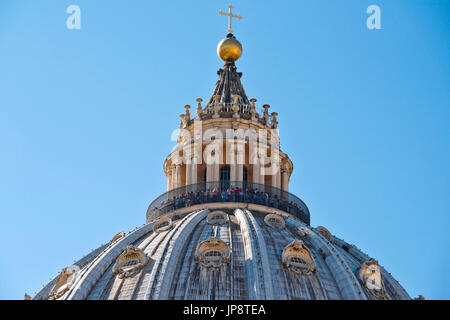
(227, 227)
(228, 253)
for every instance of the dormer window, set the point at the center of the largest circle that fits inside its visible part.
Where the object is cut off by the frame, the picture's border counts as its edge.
(275, 221)
(217, 218)
(130, 262)
(163, 224)
(213, 253)
(372, 279)
(298, 259)
(64, 282)
(324, 232)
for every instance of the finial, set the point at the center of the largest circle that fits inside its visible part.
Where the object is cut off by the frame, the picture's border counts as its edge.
(229, 49)
(266, 113)
(236, 106)
(253, 108)
(199, 108)
(182, 121)
(274, 120)
(230, 15)
(217, 106)
(188, 114)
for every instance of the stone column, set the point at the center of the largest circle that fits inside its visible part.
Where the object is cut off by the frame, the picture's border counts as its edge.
(276, 177)
(194, 169)
(209, 172)
(177, 175)
(189, 172)
(257, 172)
(172, 177)
(216, 172)
(240, 158)
(169, 178)
(233, 176)
(285, 180)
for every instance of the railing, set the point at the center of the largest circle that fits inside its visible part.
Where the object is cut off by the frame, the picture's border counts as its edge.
(220, 191)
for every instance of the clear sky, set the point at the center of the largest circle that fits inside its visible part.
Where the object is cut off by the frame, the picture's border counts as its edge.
(86, 117)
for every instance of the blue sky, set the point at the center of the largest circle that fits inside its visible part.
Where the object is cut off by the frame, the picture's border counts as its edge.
(86, 117)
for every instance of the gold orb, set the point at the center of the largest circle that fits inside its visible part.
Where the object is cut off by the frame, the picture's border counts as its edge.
(229, 49)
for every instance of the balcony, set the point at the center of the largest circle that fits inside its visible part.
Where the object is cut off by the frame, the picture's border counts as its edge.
(228, 191)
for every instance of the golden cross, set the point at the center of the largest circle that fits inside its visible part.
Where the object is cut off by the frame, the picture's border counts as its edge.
(230, 15)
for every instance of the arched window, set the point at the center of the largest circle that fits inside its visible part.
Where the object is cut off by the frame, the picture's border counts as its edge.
(275, 221)
(213, 253)
(163, 224)
(224, 177)
(130, 263)
(217, 218)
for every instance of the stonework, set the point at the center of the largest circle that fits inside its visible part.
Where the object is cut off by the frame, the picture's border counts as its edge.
(225, 230)
(254, 263)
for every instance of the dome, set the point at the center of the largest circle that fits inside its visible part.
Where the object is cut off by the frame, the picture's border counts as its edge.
(227, 230)
(229, 48)
(254, 253)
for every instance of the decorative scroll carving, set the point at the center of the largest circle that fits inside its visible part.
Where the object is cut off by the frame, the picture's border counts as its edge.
(298, 258)
(117, 237)
(327, 234)
(163, 224)
(275, 221)
(130, 262)
(217, 218)
(371, 278)
(213, 253)
(65, 280)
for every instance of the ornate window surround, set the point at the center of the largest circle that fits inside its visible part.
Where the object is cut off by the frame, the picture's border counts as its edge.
(297, 257)
(65, 280)
(275, 221)
(163, 224)
(372, 279)
(118, 236)
(130, 262)
(326, 233)
(213, 253)
(217, 218)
